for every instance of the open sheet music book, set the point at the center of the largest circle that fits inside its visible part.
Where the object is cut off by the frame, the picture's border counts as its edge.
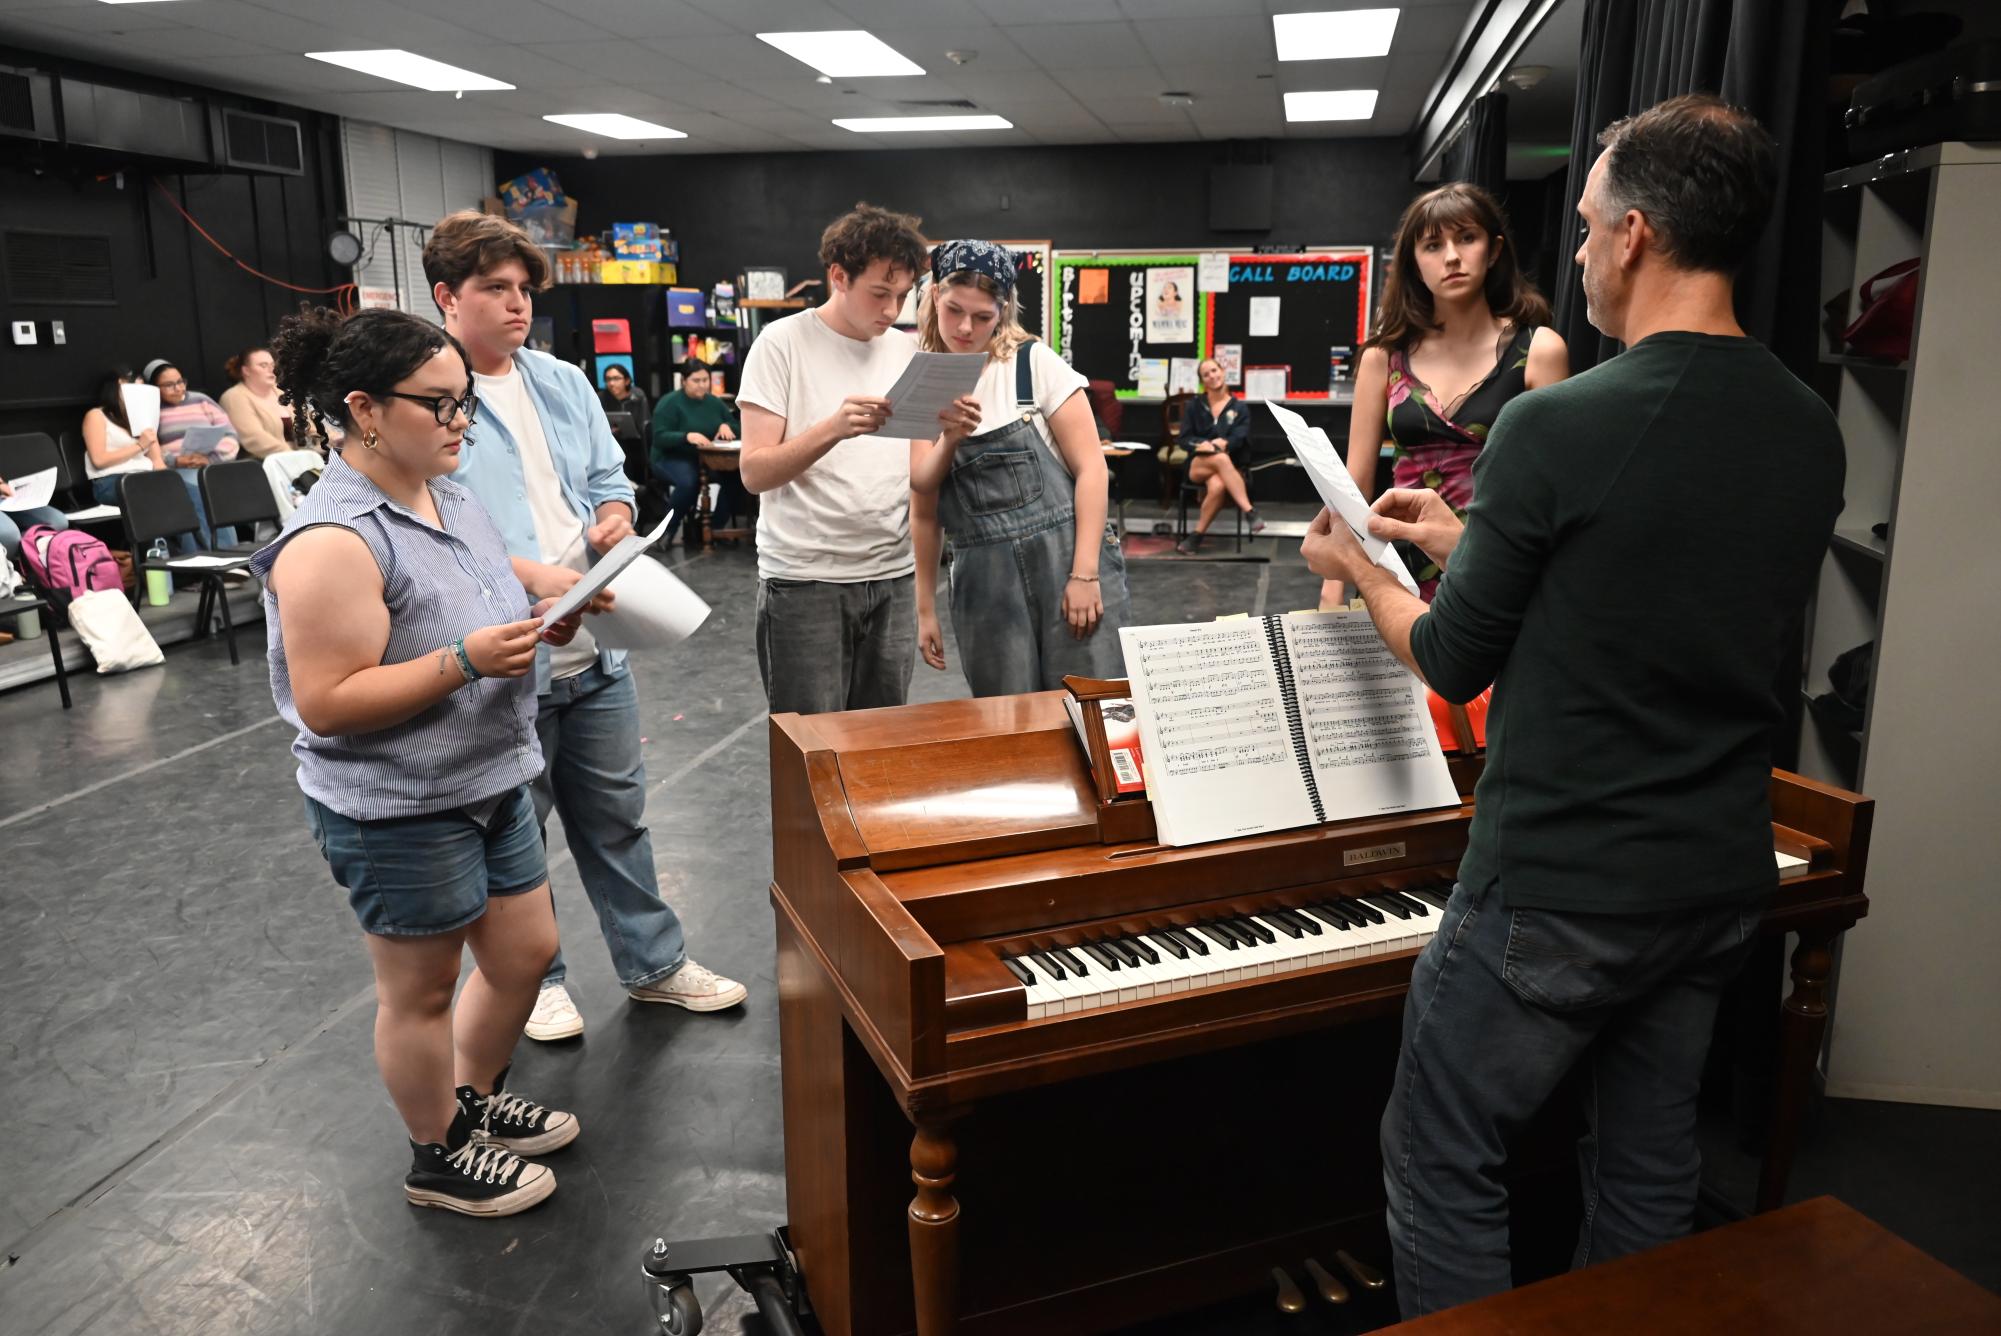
(1268, 723)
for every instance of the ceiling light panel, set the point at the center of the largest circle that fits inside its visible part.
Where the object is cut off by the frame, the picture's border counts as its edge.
(850, 54)
(614, 126)
(1343, 104)
(1345, 34)
(406, 67)
(918, 124)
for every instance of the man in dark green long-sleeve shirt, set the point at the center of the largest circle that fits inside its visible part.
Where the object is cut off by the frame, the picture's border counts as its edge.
(1640, 539)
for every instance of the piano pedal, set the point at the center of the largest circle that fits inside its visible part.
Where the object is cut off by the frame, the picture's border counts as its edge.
(1365, 1275)
(1330, 1287)
(1290, 1300)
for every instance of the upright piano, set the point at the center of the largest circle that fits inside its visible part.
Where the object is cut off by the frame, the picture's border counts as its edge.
(1123, 1078)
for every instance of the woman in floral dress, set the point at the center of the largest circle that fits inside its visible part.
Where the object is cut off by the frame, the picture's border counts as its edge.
(1459, 333)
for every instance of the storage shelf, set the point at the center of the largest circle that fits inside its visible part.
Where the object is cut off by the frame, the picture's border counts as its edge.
(768, 304)
(1906, 161)
(1857, 360)
(1862, 541)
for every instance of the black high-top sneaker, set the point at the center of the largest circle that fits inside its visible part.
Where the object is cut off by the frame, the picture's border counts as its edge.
(520, 1125)
(474, 1177)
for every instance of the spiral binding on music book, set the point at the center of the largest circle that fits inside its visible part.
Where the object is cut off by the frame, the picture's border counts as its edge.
(1288, 691)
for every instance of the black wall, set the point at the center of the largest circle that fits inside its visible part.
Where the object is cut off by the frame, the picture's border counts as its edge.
(176, 296)
(732, 210)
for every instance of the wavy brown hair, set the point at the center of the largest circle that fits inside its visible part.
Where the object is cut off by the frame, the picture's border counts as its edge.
(1405, 314)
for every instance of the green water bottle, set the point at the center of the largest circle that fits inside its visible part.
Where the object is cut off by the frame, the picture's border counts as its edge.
(159, 584)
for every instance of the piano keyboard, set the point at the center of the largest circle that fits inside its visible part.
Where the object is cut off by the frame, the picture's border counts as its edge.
(1162, 961)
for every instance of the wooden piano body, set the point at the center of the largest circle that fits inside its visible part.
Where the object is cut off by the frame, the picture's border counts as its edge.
(1085, 1171)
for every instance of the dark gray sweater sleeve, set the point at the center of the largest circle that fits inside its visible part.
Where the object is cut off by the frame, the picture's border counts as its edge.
(1511, 527)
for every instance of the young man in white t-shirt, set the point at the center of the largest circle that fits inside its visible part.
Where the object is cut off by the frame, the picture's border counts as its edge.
(836, 598)
(541, 459)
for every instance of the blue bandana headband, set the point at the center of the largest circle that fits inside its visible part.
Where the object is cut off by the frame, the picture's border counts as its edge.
(977, 257)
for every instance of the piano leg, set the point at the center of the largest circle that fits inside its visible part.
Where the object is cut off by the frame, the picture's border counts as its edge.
(1801, 1029)
(934, 1229)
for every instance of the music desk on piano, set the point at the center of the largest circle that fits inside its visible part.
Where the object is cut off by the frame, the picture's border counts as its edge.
(1087, 1161)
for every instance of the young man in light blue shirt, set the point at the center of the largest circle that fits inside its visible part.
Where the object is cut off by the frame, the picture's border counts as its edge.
(543, 461)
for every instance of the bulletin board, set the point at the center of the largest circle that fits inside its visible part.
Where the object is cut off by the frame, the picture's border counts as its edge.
(1324, 298)
(1107, 340)
(1031, 288)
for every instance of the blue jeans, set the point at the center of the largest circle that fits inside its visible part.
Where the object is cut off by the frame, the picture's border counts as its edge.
(106, 492)
(680, 476)
(595, 779)
(1503, 1005)
(823, 646)
(14, 523)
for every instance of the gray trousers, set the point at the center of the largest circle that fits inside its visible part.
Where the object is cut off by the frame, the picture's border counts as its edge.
(824, 647)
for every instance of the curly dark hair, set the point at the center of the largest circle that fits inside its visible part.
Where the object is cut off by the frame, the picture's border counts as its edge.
(865, 234)
(323, 356)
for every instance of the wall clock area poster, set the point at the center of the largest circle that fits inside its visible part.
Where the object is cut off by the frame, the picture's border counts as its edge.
(1170, 305)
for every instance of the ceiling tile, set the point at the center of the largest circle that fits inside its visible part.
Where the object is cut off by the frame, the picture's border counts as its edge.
(881, 16)
(1219, 43)
(1010, 12)
(1082, 46)
(621, 62)
(645, 18)
(755, 16)
(512, 20)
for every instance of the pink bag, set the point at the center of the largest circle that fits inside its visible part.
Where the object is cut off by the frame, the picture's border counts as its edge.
(1889, 308)
(68, 562)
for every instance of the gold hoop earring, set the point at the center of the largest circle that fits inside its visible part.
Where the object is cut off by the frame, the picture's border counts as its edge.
(368, 441)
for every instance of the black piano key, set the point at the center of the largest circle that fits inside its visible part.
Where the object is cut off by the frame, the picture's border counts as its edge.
(1323, 914)
(1018, 970)
(1285, 925)
(1070, 960)
(1255, 929)
(1417, 906)
(1146, 951)
(1433, 894)
(1123, 950)
(1364, 908)
(1046, 965)
(1306, 923)
(1191, 939)
(1169, 942)
(1216, 934)
(1098, 953)
(1389, 904)
(1237, 932)
(1347, 914)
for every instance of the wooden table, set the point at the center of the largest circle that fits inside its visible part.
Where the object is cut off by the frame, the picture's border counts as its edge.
(1807, 1270)
(716, 457)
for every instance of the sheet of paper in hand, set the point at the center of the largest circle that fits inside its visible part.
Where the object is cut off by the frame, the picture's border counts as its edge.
(926, 388)
(604, 572)
(1337, 488)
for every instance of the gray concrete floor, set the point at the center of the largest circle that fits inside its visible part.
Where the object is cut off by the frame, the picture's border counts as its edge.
(198, 1139)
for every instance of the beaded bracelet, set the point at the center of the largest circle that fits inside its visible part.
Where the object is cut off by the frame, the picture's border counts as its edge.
(465, 661)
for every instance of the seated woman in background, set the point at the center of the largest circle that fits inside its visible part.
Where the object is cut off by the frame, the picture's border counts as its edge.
(181, 409)
(686, 420)
(14, 523)
(620, 395)
(1216, 428)
(263, 421)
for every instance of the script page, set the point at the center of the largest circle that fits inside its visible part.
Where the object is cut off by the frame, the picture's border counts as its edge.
(1218, 749)
(1368, 728)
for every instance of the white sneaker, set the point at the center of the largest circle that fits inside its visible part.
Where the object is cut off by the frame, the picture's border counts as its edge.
(693, 986)
(555, 1016)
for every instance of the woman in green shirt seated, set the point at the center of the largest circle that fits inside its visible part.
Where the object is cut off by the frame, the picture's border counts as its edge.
(687, 419)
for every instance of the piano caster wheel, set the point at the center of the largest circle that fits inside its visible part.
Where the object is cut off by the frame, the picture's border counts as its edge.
(1290, 1300)
(676, 1308)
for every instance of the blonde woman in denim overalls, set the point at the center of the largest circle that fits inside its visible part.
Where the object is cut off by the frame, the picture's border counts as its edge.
(1038, 581)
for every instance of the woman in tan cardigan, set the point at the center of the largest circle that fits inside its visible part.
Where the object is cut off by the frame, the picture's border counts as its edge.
(262, 423)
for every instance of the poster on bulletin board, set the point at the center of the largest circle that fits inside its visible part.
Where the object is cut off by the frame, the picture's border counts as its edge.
(1308, 313)
(1122, 317)
(606, 361)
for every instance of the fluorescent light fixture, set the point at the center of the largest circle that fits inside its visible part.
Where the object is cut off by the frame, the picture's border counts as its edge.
(1344, 104)
(614, 126)
(869, 125)
(406, 67)
(1340, 35)
(843, 54)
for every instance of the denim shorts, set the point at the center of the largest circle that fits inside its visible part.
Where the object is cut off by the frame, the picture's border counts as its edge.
(415, 875)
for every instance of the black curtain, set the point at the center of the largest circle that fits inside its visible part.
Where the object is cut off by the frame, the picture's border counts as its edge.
(1766, 56)
(1480, 153)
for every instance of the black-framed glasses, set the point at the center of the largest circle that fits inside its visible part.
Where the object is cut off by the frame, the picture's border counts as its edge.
(444, 407)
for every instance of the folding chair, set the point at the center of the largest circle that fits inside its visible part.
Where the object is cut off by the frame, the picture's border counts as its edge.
(36, 602)
(239, 492)
(156, 506)
(31, 452)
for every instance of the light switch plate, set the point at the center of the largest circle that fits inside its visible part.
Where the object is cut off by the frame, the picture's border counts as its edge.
(24, 332)
(57, 334)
